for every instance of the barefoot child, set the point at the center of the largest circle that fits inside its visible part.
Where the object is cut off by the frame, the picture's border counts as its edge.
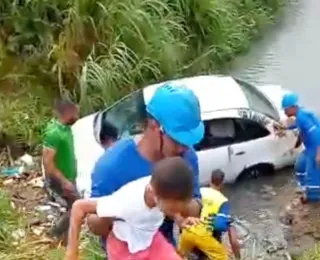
(139, 209)
(215, 217)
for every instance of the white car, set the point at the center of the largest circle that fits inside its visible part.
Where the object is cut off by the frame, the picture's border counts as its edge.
(239, 136)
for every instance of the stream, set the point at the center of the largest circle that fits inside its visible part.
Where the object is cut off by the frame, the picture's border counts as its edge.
(287, 55)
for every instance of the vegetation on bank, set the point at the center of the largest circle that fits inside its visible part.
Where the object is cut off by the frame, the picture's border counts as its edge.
(17, 242)
(312, 254)
(97, 51)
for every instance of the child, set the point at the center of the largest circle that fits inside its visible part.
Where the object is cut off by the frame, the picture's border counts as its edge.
(207, 237)
(138, 209)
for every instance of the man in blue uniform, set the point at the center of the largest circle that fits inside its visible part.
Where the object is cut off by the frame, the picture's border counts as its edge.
(308, 125)
(173, 126)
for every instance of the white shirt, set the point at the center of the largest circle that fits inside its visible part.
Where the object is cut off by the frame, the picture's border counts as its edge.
(140, 222)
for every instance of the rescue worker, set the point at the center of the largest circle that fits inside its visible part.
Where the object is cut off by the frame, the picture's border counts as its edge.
(173, 126)
(215, 220)
(308, 125)
(300, 169)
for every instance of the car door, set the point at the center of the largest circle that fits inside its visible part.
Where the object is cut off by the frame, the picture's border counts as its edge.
(253, 144)
(213, 149)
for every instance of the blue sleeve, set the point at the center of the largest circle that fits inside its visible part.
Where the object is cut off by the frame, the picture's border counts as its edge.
(191, 157)
(222, 219)
(310, 128)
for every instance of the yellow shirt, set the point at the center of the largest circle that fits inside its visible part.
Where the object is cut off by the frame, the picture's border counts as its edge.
(211, 203)
(200, 236)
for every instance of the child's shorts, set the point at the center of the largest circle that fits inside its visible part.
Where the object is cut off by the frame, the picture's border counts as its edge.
(160, 249)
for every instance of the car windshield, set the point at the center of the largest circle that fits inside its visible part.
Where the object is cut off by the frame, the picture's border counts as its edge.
(128, 114)
(258, 101)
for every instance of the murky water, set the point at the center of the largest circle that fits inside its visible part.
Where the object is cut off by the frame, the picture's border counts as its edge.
(288, 55)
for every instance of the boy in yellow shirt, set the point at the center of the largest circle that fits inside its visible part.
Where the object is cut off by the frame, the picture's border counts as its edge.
(215, 220)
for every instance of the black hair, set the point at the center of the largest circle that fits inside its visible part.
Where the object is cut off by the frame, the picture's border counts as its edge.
(172, 178)
(108, 131)
(62, 105)
(217, 177)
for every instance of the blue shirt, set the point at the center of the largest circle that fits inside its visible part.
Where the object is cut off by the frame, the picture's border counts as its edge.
(122, 163)
(309, 126)
(222, 220)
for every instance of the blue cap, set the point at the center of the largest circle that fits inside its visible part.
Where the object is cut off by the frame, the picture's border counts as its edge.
(177, 110)
(289, 100)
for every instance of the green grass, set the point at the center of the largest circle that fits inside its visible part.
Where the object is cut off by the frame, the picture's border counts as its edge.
(97, 51)
(312, 254)
(30, 247)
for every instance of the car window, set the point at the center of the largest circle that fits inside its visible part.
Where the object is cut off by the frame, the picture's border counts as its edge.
(257, 100)
(218, 132)
(128, 114)
(247, 130)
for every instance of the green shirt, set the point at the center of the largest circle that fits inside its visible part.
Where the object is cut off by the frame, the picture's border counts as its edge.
(59, 137)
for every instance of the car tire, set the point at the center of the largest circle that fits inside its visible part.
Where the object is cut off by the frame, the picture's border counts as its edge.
(257, 170)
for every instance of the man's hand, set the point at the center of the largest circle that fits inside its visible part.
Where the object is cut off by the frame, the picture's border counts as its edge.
(279, 129)
(188, 222)
(68, 187)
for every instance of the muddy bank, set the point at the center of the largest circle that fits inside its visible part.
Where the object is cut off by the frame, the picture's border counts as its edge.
(262, 238)
(303, 222)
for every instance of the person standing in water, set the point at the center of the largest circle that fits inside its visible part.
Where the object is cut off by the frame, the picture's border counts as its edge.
(59, 160)
(308, 125)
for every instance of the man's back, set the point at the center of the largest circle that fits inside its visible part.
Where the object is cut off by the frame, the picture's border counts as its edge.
(138, 223)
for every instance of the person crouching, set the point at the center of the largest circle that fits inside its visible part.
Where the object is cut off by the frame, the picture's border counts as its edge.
(215, 220)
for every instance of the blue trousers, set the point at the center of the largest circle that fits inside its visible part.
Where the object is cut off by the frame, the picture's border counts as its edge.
(312, 179)
(300, 169)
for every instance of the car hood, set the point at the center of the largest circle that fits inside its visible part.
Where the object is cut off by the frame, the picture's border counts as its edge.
(275, 93)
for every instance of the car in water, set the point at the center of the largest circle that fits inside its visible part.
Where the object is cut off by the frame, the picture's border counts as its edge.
(239, 123)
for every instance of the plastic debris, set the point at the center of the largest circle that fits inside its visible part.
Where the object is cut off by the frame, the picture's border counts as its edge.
(43, 208)
(12, 171)
(27, 159)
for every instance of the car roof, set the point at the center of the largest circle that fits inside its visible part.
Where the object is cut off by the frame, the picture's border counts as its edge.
(214, 92)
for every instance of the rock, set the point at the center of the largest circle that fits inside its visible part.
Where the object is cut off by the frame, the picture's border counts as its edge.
(43, 208)
(38, 231)
(54, 204)
(37, 182)
(266, 189)
(8, 182)
(50, 217)
(18, 234)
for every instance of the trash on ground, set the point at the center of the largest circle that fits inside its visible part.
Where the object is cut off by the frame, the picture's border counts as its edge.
(43, 208)
(12, 171)
(37, 182)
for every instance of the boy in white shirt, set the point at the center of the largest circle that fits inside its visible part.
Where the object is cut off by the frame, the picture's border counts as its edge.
(139, 209)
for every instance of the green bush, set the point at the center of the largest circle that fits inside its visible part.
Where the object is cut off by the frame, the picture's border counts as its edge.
(97, 51)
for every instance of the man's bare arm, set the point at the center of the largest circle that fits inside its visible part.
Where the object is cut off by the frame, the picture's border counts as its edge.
(80, 209)
(50, 168)
(234, 242)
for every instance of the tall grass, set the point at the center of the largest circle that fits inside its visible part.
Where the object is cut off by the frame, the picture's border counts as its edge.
(98, 50)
